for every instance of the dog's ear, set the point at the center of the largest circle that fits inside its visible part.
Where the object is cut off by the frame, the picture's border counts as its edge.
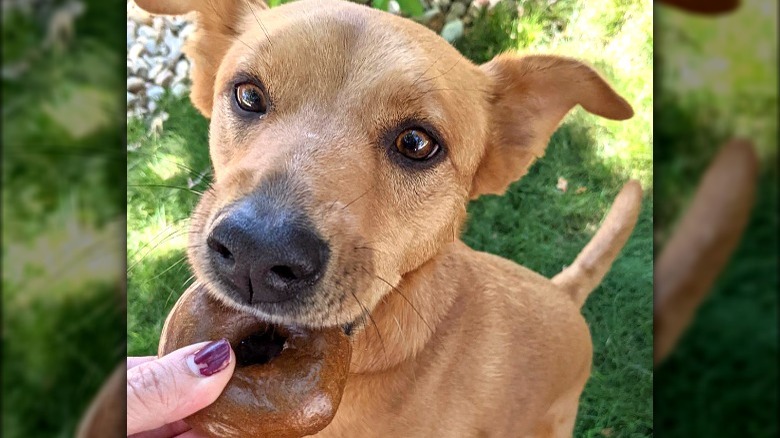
(217, 26)
(530, 95)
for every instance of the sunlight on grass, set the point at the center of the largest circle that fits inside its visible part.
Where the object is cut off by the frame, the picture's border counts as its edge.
(156, 237)
(616, 37)
(166, 166)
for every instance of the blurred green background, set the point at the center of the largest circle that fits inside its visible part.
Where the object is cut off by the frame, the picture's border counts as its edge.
(534, 224)
(63, 211)
(716, 78)
(64, 192)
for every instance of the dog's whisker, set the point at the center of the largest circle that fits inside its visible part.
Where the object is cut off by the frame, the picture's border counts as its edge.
(173, 265)
(169, 228)
(265, 31)
(402, 296)
(400, 330)
(182, 166)
(427, 69)
(457, 61)
(206, 55)
(173, 234)
(168, 298)
(470, 90)
(253, 49)
(336, 201)
(167, 186)
(376, 327)
(403, 337)
(368, 248)
(356, 199)
(332, 204)
(188, 280)
(410, 305)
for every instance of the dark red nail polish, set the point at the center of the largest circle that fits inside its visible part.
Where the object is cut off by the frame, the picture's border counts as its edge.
(213, 357)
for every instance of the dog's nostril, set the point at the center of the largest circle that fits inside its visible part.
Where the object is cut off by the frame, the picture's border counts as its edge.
(219, 248)
(284, 272)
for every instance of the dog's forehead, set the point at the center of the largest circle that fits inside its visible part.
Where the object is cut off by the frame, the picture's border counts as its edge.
(316, 50)
(340, 71)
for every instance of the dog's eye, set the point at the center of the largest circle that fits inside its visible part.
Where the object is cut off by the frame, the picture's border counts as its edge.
(251, 98)
(416, 145)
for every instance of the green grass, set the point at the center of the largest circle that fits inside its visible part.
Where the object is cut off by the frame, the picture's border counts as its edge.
(534, 223)
(160, 172)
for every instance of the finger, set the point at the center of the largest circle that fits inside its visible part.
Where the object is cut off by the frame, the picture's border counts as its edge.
(191, 434)
(707, 7)
(133, 362)
(167, 431)
(179, 384)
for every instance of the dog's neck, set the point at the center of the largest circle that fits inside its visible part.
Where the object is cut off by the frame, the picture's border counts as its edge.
(406, 319)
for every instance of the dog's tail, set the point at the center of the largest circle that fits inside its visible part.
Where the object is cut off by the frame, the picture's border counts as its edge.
(593, 262)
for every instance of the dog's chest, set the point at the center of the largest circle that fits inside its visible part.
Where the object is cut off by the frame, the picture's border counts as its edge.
(457, 388)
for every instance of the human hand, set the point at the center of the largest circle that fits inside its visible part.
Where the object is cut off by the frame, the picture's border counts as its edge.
(163, 391)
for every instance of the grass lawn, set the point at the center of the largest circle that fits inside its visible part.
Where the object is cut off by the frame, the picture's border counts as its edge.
(534, 224)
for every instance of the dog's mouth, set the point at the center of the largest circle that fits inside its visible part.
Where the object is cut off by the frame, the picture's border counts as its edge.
(267, 342)
(277, 318)
(289, 377)
(260, 347)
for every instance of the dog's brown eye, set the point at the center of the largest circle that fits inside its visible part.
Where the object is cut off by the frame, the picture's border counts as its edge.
(416, 144)
(250, 98)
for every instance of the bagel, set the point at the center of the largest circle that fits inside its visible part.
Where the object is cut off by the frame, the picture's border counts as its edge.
(288, 380)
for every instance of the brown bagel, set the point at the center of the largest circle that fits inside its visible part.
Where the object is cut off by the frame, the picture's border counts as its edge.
(295, 394)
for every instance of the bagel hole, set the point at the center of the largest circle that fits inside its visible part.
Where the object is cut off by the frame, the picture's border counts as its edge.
(259, 348)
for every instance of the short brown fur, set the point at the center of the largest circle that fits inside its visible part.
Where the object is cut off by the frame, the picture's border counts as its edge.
(453, 342)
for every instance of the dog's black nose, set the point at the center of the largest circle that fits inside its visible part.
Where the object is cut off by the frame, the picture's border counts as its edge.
(266, 252)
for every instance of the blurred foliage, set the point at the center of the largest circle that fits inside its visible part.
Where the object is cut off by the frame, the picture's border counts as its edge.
(410, 8)
(717, 79)
(493, 32)
(62, 210)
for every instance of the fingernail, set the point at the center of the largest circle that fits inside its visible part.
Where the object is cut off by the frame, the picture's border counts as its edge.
(211, 359)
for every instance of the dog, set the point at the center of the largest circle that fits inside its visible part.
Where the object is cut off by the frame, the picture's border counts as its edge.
(346, 144)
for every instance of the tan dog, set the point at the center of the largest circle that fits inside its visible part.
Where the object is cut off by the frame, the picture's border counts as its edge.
(346, 144)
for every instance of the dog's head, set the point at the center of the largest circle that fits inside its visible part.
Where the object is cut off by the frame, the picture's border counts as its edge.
(346, 143)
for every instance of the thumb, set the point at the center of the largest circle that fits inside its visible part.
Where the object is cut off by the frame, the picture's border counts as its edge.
(179, 384)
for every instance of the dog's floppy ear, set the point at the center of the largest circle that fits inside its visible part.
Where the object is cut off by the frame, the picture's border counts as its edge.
(217, 26)
(530, 95)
